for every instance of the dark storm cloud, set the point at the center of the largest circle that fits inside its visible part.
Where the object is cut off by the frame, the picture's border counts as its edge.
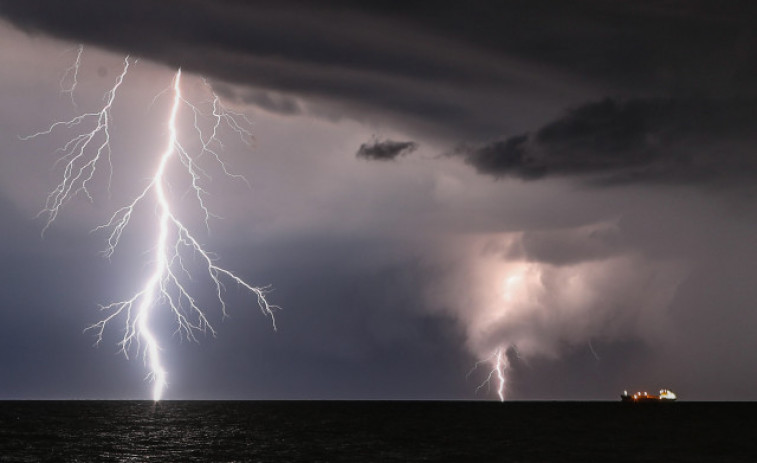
(674, 46)
(336, 55)
(660, 140)
(456, 71)
(387, 150)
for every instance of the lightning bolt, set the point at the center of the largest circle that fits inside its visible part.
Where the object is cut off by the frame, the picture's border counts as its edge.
(82, 153)
(70, 78)
(166, 285)
(498, 365)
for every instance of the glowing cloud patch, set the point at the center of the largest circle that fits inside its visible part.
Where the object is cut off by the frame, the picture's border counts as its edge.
(508, 292)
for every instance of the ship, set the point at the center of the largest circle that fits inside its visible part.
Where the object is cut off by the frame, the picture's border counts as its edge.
(666, 395)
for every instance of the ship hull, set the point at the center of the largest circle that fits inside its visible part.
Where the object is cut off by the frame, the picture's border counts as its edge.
(645, 399)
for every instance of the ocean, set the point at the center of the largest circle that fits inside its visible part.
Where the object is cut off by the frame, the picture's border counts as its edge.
(347, 431)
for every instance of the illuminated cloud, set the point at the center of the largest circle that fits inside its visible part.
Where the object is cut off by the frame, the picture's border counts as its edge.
(545, 294)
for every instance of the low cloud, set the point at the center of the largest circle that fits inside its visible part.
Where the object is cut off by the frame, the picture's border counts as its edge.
(640, 140)
(387, 150)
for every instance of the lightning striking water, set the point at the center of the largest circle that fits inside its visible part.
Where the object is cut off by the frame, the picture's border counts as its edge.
(499, 364)
(166, 285)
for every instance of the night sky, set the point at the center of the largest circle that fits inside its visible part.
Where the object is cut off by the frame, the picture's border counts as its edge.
(572, 181)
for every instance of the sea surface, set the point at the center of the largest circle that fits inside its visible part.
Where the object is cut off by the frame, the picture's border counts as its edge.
(322, 431)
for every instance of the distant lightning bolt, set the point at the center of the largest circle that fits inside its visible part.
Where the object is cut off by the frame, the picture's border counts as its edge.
(166, 284)
(498, 364)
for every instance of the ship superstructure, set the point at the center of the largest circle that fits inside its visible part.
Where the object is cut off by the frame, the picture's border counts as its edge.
(666, 395)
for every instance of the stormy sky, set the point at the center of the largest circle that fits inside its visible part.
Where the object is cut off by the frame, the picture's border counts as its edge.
(570, 181)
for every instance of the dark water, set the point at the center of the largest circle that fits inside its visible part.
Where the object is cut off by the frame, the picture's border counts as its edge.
(91, 431)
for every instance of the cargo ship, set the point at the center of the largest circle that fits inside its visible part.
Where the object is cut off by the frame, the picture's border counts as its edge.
(666, 395)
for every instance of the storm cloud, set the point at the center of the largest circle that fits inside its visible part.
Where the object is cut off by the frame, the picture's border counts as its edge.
(521, 64)
(631, 66)
(362, 66)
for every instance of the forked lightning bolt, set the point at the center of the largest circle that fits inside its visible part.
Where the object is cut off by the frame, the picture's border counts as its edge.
(82, 153)
(166, 285)
(498, 364)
